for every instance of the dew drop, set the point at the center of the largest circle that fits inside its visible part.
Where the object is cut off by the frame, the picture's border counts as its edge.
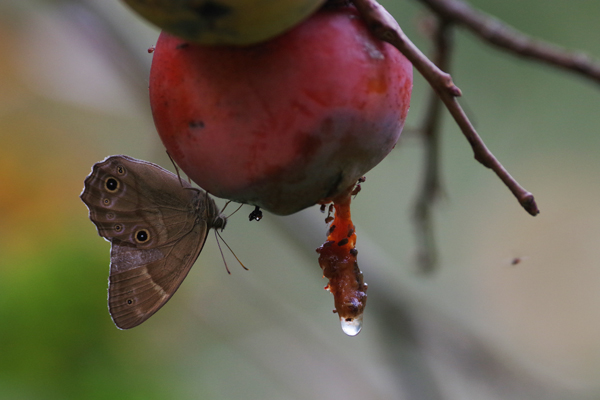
(351, 326)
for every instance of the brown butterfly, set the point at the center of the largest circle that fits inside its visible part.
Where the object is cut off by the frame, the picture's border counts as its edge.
(157, 225)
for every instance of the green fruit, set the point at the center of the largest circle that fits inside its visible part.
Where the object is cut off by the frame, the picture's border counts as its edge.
(227, 22)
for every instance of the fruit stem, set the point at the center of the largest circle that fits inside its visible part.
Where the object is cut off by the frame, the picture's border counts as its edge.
(385, 27)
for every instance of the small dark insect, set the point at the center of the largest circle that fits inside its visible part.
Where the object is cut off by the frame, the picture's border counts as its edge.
(329, 211)
(517, 260)
(358, 188)
(343, 242)
(256, 215)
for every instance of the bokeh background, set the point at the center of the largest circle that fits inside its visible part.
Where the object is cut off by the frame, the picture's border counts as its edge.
(73, 90)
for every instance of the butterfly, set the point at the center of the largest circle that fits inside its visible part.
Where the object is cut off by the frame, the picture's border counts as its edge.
(157, 225)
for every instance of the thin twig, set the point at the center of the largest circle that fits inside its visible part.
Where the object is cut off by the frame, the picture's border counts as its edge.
(385, 27)
(506, 37)
(431, 187)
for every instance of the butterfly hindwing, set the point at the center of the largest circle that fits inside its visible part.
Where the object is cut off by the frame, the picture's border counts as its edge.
(142, 280)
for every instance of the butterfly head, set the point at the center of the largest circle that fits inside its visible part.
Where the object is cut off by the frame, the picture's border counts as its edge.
(214, 218)
(219, 222)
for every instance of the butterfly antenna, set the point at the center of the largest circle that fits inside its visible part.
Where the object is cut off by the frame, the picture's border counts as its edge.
(225, 206)
(236, 210)
(236, 257)
(221, 250)
(176, 167)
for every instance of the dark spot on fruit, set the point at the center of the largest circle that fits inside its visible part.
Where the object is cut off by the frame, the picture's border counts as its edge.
(211, 10)
(182, 45)
(354, 252)
(196, 124)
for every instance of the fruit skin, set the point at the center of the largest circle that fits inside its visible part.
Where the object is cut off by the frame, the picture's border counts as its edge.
(287, 123)
(231, 22)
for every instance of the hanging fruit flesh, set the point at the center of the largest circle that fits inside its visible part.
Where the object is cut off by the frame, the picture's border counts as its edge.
(338, 259)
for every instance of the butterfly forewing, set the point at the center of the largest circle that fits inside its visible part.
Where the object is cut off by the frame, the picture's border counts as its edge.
(145, 196)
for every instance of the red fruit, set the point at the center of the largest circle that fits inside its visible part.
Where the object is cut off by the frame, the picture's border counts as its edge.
(287, 123)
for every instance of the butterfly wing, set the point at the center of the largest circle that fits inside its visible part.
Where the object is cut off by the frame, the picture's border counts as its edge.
(125, 196)
(155, 230)
(142, 280)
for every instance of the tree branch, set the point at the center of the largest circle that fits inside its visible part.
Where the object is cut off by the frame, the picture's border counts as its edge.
(503, 36)
(431, 187)
(385, 27)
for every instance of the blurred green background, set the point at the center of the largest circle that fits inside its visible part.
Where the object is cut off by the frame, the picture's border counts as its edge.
(73, 90)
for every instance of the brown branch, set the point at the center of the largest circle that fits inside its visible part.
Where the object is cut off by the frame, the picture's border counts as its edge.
(431, 187)
(501, 35)
(442, 37)
(385, 27)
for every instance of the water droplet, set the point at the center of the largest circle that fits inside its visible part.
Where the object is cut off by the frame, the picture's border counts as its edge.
(351, 326)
